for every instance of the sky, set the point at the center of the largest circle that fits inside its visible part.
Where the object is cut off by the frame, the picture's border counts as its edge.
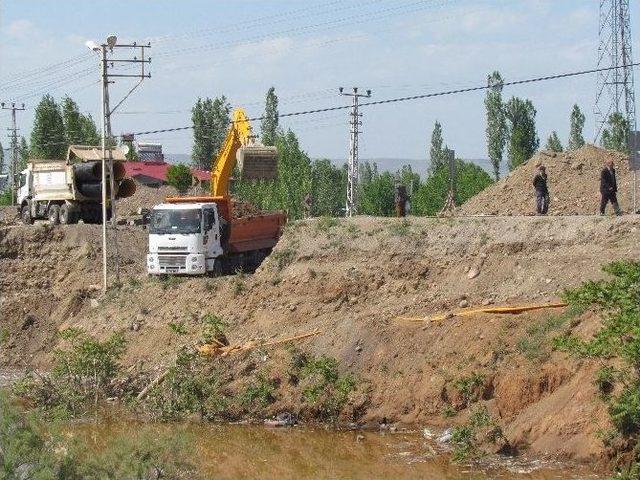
(306, 49)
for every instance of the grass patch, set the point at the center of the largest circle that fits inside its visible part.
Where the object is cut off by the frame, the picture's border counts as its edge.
(261, 393)
(536, 345)
(325, 224)
(168, 282)
(178, 328)
(282, 257)
(400, 229)
(214, 328)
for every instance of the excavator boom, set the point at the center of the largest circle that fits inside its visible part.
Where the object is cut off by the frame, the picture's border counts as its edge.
(255, 161)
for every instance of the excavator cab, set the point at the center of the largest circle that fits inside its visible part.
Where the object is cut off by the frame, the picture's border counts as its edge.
(257, 162)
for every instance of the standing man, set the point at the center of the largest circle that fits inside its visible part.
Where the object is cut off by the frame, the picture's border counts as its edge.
(542, 191)
(609, 188)
(400, 200)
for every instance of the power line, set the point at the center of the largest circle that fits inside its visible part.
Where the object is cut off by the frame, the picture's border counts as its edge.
(414, 97)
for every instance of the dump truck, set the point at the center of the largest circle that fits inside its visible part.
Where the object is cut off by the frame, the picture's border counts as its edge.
(201, 235)
(69, 190)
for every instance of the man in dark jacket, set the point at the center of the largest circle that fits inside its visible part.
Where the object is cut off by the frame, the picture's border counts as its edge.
(608, 188)
(542, 191)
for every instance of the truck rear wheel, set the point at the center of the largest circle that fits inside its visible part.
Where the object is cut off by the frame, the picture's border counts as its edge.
(67, 216)
(25, 215)
(54, 214)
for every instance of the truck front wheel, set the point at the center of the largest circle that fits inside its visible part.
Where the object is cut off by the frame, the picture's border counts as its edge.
(67, 215)
(54, 214)
(25, 214)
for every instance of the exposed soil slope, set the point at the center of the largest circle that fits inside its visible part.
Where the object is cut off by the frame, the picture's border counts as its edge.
(573, 179)
(352, 280)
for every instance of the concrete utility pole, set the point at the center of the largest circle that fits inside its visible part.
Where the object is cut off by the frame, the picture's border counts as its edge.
(107, 137)
(352, 174)
(14, 148)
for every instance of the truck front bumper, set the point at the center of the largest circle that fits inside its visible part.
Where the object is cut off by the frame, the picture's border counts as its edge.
(176, 264)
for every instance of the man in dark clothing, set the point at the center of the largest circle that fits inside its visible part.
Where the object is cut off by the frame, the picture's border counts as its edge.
(609, 188)
(542, 191)
(400, 200)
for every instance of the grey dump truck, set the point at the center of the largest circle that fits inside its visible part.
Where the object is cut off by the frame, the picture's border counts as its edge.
(66, 191)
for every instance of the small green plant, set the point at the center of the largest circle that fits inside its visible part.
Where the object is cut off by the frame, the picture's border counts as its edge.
(536, 345)
(168, 281)
(484, 239)
(214, 327)
(4, 335)
(470, 387)
(190, 387)
(400, 229)
(134, 283)
(276, 280)
(282, 257)
(325, 223)
(448, 411)
(260, 391)
(353, 231)
(238, 284)
(210, 285)
(82, 375)
(323, 387)
(468, 438)
(178, 328)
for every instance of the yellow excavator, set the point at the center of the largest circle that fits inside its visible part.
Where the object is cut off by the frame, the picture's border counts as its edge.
(200, 235)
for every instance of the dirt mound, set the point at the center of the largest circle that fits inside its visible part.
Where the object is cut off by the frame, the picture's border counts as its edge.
(147, 197)
(352, 280)
(8, 215)
(573, 179)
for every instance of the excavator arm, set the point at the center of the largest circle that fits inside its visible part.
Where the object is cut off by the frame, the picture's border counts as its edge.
(255, 161)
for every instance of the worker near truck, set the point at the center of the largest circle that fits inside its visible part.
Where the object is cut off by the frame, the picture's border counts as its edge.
(609, 188)
(542, 190)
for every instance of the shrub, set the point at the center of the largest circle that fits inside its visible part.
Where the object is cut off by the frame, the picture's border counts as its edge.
(179, 177)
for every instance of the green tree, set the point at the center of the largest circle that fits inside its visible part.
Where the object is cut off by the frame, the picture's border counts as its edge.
(521, 124)
(1, 158)
(328, 188)
(210, 120)
(269, 125)
(576, 140)
(23, 154)
(496, 125)
(436, 153)
(378, 195)
(616, 135)
(553, 143)
(179, 176)
(293, 183)
(48, 134)
(430, 197)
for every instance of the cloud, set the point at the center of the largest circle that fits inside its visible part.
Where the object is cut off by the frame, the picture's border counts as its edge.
(21, 28)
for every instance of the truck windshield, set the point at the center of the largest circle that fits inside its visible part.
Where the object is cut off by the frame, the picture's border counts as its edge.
(175, 221)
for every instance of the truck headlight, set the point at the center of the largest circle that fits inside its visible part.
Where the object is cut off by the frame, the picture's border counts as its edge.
(194, 259)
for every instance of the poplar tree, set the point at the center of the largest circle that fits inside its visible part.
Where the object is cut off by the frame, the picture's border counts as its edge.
(269, 124)
(496, 125)
(48, 135)
(79, 129)
(211, 120)
(616, 135)
(1, 159)
(436, 152)
(521, 127)
(576, 140)
(553, 143)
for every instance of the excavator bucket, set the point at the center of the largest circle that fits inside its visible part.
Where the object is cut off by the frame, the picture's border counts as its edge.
(258, 162)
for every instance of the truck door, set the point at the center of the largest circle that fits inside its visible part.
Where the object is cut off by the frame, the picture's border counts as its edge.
(24, 186)
(211, 233)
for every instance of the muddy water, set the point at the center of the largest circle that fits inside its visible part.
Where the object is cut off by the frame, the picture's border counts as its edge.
(256, 452)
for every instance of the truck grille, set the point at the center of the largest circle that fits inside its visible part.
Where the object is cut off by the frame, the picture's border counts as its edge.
(179, 261)
(173, 248)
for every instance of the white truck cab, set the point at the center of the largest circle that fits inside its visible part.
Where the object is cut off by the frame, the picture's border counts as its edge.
(184, 238)
(24, 186)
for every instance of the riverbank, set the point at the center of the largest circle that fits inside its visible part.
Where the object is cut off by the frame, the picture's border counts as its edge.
(355, 282)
